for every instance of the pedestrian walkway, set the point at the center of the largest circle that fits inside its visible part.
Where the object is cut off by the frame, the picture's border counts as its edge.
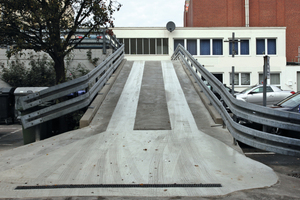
(124, 154)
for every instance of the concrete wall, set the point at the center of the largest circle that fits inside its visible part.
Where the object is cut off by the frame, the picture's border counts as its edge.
(78, 57)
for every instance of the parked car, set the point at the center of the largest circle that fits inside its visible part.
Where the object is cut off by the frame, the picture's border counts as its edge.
(290, 103)
(254, 94)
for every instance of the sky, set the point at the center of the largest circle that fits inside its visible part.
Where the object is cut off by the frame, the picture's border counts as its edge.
(149, 13)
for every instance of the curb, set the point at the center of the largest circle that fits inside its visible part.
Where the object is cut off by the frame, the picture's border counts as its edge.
(210, 108)
(93, 108)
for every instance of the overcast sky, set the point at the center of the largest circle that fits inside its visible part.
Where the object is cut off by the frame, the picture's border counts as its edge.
(149, 13)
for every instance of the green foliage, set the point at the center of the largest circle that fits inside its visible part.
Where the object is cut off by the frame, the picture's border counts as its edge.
(94, 61)
(76, 72)
(49, 26)
(73, 73)
(15, 74)
(39, 74)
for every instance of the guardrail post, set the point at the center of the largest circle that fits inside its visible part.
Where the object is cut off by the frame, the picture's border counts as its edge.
(29, 135)
(104, 42)
(265, 73)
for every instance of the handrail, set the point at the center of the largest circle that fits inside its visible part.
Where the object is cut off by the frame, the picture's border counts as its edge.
(91, 83)
(255, 113)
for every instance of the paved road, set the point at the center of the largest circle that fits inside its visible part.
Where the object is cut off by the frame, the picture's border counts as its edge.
(10, 136)
(117, 149)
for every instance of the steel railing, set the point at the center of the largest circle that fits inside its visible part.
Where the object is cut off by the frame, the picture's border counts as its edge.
(91, 83)
(251, 112)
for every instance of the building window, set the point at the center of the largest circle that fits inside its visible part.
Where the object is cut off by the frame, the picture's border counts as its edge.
(217, 47)
(240, 79)
(192, 46)
(236, 48)
(152, 46)
(266, 46)
(211, 47)
(271, 46)
(177, 42)
(274, 78)
(165, 46)
(244, 47)
(219, 77)
(126, 46)
(205, 47)
(132, 46)
(145, 45)
(241, 48)
(139, 46)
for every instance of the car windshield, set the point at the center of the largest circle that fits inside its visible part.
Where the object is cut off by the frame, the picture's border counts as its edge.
(247, 89)
(292, 102)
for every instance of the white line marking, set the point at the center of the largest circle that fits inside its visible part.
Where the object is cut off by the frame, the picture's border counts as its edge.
(180, 114)
(7, 128)
(260, 153)
(10, 133)
(16, 130)
(124, 114)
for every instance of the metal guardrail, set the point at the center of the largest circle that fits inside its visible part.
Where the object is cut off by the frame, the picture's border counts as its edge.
(92, 42)
(255, 113)
(92, 83)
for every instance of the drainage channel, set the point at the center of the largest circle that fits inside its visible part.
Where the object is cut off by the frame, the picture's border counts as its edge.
(78, 186)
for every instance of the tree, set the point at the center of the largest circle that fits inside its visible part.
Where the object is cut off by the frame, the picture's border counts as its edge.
(50, 25)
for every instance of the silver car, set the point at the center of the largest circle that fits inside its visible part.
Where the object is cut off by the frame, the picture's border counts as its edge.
(254, 94)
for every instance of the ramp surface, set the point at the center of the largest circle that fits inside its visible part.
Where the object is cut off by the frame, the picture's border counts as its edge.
(122, 155)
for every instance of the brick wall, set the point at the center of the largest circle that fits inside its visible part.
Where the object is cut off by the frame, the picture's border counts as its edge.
(202, 13)
(263, 13)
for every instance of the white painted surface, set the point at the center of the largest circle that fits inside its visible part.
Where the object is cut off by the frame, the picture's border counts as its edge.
(124, 156)
(222, 64)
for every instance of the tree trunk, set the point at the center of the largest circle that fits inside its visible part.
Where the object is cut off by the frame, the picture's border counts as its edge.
(60, 72)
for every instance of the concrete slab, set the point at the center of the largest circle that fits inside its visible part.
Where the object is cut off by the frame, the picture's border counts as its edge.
(202, 117)
(152, 111)
(121, 155)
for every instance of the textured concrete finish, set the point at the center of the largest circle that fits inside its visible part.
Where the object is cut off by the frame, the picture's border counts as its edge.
(152, 112)
(121, 155)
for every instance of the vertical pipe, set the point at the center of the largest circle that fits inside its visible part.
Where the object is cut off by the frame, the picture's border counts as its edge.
(232, 81)
(232, 43)
(265, 81)
(247, 13)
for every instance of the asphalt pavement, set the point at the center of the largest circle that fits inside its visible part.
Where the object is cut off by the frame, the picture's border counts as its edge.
(10, 136)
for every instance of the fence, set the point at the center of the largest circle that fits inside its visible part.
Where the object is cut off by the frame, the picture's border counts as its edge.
(251, 112)
(33, 107)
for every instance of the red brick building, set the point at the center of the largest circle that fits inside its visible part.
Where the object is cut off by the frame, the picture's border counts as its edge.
(262, 13)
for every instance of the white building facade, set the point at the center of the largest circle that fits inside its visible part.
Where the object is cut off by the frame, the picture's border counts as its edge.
(211, 48)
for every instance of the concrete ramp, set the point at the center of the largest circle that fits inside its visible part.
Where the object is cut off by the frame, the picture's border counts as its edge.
(121, 155)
